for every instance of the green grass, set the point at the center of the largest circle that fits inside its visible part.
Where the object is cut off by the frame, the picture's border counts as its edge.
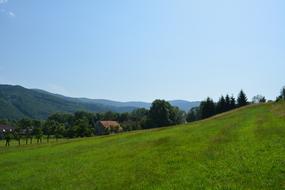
(242, 149)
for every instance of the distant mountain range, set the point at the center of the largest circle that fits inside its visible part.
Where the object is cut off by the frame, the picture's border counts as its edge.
(17, 102)
(182, 104)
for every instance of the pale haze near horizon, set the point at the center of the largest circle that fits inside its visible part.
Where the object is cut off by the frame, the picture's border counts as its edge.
(143, 50)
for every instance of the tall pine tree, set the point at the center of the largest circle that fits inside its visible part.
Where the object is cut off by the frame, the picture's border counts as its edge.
(207, 108)
(242, 99)
(228, 103)
(232, 103)
(221, 105)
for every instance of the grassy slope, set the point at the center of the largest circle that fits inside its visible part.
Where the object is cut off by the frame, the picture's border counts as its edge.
(243, 149)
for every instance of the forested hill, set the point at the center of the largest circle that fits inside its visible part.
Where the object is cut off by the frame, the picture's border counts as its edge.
(17, 102)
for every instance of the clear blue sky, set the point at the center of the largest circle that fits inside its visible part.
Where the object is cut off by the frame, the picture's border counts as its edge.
(144, 49)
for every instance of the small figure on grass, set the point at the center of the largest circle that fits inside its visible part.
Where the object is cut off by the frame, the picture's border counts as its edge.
(8, 137)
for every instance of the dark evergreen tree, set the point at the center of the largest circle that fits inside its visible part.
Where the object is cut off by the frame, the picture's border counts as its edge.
(232, 102)
(242, 99)
(207, 108)
(228, 103)
(221, 105)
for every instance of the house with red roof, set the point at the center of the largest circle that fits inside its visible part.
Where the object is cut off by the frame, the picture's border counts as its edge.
(107, 127)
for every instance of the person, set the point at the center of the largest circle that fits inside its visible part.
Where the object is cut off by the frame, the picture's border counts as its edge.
(8, 137)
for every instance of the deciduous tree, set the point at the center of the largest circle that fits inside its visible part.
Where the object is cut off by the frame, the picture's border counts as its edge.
(258, 99)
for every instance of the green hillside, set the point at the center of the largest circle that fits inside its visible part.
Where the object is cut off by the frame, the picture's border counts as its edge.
(17, 102)
(242, 149)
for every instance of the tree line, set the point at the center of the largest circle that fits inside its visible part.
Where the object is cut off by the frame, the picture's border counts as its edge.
(226, 103)
(160, 114)
(82, 124)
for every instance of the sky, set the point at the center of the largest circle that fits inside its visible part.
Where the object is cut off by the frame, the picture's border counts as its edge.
(132, 50)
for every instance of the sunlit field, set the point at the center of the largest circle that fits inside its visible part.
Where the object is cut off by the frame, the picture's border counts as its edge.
(241, 149)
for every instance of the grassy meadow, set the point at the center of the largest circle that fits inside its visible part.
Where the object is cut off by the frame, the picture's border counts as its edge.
(241, 149)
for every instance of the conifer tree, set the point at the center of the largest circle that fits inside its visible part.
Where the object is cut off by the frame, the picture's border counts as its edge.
(228, 103)
(242, 99)
(221, 105)
(232, 103)
(207, 108)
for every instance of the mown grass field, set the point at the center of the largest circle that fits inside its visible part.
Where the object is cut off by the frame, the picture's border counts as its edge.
(242, 149)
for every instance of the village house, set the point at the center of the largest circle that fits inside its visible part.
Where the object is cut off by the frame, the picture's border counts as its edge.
(107, 127)
(5, 129)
